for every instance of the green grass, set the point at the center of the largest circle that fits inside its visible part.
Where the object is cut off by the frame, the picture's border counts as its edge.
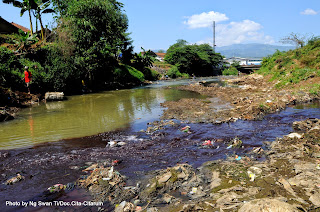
(315, 89)
(294, 66)
(230, 71)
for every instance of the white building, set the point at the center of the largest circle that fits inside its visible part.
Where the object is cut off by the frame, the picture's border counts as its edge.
(243, 61)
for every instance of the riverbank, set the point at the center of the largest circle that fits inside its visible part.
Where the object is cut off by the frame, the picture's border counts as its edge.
(286, 181)
(247, 98)
(12, 102)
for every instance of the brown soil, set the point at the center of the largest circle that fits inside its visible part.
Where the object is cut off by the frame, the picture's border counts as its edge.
(248, 98)
(11, 102)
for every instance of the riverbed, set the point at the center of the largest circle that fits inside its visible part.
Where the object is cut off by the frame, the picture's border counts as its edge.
(45, 164)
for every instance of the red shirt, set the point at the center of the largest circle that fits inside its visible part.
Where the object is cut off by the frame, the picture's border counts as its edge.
(27, 76)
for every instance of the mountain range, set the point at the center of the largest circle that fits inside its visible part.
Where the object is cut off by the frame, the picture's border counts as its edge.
(254, 50)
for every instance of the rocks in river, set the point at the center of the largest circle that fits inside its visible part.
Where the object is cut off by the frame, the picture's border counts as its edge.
(15, 179)
(5, 115)
(267, 204)
(54, 96)
(304, 126)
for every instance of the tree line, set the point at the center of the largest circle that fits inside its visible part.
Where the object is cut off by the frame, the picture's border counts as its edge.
(91, 48)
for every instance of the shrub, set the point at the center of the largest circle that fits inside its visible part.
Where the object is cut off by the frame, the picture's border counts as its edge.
(173, 72)
(230, 71)
(125, 74)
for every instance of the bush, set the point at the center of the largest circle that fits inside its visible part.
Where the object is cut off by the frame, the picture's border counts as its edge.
(230, 71)
(173, 72)
(11, 70)
(150, 74)
(126, 74)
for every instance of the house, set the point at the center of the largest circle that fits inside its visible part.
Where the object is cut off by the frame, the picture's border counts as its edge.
(9, 28)
(243, 61)
(158, 56)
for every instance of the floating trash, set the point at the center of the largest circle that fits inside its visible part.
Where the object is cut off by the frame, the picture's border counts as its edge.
(15, 179)
(185, 129)
(238, 157)
(207, 143)
(56, 188)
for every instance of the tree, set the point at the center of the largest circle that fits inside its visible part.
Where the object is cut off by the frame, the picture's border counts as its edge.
(25, 5)
(295, 39)
(97, 28)
(193, 59)
(41, 8)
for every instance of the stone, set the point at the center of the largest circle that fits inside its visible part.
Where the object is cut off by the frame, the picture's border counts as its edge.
(124, 207)
(294, 135)
(315, 199)
(215, 181)
(287, 186)
(54, 96)
(266, 205)
(164, 178)
(152, 209)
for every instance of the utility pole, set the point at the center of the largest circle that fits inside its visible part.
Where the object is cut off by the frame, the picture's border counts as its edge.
(214, 36)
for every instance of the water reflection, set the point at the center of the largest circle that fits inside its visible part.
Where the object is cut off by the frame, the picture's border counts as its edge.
(87, 115)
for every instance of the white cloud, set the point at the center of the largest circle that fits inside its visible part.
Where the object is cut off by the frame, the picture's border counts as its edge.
(239, 32)
(309, 12)
(204, 20)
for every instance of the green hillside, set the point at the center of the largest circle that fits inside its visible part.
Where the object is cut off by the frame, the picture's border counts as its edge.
(298, 68)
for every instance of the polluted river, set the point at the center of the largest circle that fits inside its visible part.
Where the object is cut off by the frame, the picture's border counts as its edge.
(52, 143)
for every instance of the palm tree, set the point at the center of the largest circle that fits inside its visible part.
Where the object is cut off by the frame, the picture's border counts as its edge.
(41, 8)
(25, 5)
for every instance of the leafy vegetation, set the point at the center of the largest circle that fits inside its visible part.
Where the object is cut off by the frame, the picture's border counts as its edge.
(294, 66)
(90, 46)
(230, 71)
(199, 60)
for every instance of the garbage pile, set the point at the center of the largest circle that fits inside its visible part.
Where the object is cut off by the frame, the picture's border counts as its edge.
(107, 184)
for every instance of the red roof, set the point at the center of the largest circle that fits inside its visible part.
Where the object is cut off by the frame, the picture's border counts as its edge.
(161, 55)
(20, 27)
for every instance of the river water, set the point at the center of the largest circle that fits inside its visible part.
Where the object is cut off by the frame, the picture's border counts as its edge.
(90, 114)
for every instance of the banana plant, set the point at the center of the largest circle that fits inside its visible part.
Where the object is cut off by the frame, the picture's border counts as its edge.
(25, 5)
(41, 7)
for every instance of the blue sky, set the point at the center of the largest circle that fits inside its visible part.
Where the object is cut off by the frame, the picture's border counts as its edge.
(158, 24)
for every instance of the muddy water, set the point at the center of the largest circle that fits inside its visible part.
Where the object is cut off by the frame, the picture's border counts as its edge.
(90, 114)
(44, 165)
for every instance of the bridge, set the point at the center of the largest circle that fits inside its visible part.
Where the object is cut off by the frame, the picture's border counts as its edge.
(247, 69)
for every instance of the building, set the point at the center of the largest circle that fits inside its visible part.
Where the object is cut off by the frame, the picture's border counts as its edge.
(9, 28)
(243, 61)
(158, 56)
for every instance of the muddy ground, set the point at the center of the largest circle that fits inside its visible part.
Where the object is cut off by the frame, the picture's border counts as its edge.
(247, 98)
(11, 102)
(171, 167)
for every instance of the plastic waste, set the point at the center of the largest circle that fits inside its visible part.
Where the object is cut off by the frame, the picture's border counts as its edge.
(318, 166)
(110, 172)
(15, 179)
(112, 143)
(116, 162)
(238, 157)
(207, 143)
(252, 176)
(185, 129)
(56, 188)
(194, 190)
(229, 147)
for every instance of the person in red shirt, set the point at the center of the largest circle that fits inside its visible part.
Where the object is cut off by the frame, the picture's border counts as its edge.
(27, 77)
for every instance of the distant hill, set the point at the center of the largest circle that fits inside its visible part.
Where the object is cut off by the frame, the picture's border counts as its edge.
(250, 50)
